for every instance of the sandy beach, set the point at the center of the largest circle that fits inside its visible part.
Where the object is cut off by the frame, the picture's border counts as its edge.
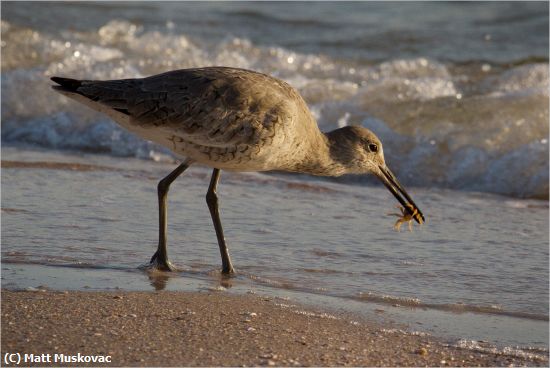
(212, 329)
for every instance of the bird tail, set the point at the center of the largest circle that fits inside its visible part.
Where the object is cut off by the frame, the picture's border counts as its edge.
(66, 84)
(69, 88)
(103, 96)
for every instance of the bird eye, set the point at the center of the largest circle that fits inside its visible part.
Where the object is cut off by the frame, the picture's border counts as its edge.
(373, 147)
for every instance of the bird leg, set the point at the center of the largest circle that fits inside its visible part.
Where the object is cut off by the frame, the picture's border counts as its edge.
(160, 258)
(212, 201)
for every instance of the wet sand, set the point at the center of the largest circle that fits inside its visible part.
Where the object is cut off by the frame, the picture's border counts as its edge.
(213, 329)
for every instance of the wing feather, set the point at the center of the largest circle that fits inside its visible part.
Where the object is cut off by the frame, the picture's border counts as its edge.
(215, 107)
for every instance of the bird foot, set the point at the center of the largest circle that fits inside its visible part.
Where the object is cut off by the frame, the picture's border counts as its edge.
(161, 264)
(228, 271)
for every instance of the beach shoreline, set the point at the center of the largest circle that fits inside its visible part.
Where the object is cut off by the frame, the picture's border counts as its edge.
(212, 329)
(100, 236)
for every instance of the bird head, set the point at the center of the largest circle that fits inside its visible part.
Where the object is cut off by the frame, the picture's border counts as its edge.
(360, 151)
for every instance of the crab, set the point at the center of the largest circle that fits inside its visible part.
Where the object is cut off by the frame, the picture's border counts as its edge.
(407, 214)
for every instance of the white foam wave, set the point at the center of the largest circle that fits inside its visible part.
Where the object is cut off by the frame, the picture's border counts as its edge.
(524, 79)
(490, 136)
(520, 352)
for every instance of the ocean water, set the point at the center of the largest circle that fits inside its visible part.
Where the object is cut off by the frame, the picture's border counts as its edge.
(458, 93)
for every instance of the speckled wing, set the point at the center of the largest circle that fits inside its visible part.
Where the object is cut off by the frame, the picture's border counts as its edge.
(214, 107)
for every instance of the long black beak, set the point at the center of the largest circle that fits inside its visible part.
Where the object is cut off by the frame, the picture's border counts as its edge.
(391, 182)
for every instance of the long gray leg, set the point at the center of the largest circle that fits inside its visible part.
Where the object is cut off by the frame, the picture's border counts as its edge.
(212, 201)
(160, 258)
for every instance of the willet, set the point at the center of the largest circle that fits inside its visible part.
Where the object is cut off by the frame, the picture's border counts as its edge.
(232, 119)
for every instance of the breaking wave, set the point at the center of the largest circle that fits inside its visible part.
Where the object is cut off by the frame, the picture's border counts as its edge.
(474, 126)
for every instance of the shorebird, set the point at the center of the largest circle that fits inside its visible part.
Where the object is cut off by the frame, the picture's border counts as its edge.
(232, 119)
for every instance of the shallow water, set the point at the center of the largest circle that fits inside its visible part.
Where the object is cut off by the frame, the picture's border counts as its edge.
(472, 272)
(458, 93)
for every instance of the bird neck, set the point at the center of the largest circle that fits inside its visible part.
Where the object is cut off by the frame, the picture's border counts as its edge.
(321, 159)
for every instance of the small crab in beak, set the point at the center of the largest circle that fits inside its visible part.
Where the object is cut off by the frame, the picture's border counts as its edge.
(410, 210)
